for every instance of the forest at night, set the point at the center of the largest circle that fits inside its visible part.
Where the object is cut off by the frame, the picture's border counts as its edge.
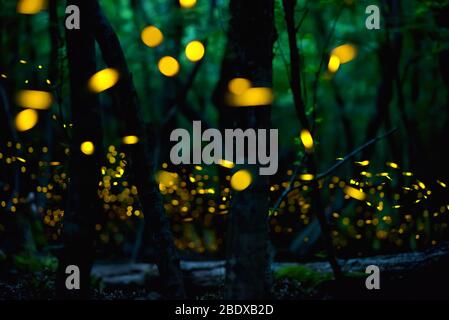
(224, 150)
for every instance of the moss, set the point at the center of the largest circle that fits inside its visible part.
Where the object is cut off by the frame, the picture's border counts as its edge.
(31, 263)
(306, 276)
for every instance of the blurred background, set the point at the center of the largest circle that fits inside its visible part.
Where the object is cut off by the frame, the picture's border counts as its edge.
(357, 85)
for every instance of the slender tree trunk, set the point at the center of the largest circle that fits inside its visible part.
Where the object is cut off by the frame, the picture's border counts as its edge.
(141, 161)
(443, 57)
(251, 36)
(84, 170)
(295, 79)
(389, 57)
(417, 158)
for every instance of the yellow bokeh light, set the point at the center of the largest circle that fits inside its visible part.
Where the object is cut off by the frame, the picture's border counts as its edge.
(306, 139)
(392, 165)
(187, 3)
(421, 184)
(152, 36)
(33, 99)
(307, 177)
(130, 140)
(195, 51)
(26, 119)
(355, 193)
(103, 80)
(334, 64)
(166, 179)
(168, 66)
(238, 86)
(31, 6)
(241, 180)
(345, 53)
(441, 183)
(226, 163)
(251, 97)
(87, 147)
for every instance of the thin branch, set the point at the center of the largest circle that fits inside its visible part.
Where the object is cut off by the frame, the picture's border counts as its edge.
(324, 174)
(181, 96)
(303, 17)
(287, 190)
(295, 63)
(318, 73)
(295, 84)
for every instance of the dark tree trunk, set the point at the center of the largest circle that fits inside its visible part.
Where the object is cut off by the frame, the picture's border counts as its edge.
(141, 160)
(251, 36)
(311, 165)
(443, 57)
(84, 170)
(389, 58)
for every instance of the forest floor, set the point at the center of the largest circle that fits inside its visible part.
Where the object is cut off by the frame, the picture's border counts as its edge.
(407, 275)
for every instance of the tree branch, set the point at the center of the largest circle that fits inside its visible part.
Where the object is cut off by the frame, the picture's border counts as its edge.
(324, 174)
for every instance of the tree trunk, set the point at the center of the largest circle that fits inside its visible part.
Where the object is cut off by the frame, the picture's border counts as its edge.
(251, 36)
(443, 57)
(84, 170)
(141, 161)
(389, 58)
(311, 165)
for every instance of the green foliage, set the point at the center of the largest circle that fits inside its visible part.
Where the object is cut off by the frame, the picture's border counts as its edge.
(351, 94)
(306, 276)
(28, 262)
(310, 279)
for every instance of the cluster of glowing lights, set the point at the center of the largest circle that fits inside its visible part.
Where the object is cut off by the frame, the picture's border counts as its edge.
(169, 66)
(242, 94)
(194, 200)
(103, 80)
(166, 179)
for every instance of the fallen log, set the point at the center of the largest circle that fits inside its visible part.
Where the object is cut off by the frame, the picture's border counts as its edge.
(403, 271)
